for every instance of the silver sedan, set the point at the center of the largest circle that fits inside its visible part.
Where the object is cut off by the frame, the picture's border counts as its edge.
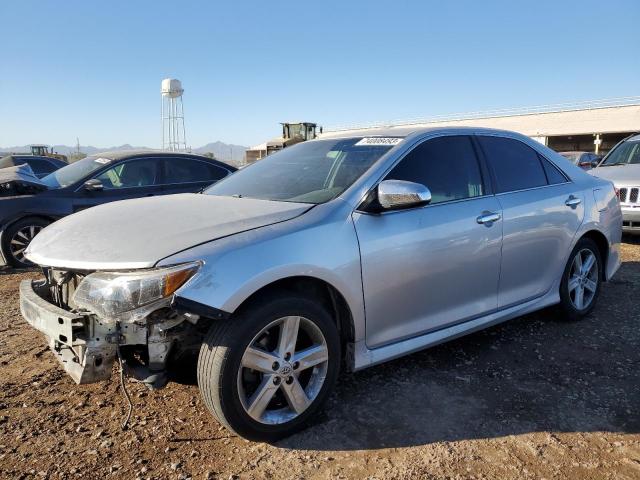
(348, 250)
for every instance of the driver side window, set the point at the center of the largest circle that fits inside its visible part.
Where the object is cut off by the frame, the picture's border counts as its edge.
(134, 173)
(447, 166)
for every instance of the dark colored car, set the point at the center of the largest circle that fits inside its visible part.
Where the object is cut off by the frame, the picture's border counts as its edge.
(41, 166)
(27, 204)
(585, 160)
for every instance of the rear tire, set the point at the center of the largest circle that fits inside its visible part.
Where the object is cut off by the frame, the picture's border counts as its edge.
(17, 237)
(288, 386)
(581, 280)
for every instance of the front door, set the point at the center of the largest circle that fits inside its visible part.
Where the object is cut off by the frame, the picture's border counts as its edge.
(133, 178)
(430, 267)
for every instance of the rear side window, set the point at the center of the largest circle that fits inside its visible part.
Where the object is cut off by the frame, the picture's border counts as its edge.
(516, 166)
(447, 166)
(184, 170)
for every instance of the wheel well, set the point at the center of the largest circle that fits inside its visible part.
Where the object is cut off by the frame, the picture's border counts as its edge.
(25, 217)
(316, 289)
(603, 246)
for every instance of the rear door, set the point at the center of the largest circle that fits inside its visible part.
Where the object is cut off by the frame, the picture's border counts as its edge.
(131, 178)
(429, 267)
(542, 210)
(183, 175)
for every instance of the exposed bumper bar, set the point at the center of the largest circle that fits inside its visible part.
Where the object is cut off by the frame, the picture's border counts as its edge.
(86, 361)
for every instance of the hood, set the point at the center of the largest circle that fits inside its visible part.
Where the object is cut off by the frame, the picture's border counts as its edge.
(138, 233)
(19, 180)
(620, 175)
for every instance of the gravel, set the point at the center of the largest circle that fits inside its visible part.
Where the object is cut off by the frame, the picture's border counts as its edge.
(537, 397)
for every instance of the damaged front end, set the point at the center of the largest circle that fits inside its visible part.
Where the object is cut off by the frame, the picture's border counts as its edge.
(92, 318)
(19, 180)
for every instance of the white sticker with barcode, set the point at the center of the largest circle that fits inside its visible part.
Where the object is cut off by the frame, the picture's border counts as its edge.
(102, 160)
(384, 141)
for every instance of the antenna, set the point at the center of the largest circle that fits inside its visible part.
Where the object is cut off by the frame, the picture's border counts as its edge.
(172, 116)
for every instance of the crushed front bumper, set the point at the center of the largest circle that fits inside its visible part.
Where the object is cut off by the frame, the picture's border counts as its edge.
(73, 338)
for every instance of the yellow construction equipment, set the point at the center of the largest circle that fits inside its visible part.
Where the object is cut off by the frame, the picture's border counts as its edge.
(41, 150)
(292, 133)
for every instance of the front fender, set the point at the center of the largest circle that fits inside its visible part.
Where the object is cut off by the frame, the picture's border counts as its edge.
(314, 245)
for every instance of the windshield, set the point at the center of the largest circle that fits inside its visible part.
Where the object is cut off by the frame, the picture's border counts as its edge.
(296, 130)
(625, 153)
(70, 174)
(309, 172)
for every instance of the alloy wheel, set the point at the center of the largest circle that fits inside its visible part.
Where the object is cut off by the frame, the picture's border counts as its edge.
(583, 279)
(21, 239)
(282, 370)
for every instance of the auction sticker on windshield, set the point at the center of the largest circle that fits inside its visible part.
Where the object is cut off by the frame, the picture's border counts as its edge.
(102, 160)
(379, 141)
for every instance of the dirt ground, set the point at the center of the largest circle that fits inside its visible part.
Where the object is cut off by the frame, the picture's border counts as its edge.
(534, 398)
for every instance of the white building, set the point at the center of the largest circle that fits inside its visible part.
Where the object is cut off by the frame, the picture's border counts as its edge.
(588, 126)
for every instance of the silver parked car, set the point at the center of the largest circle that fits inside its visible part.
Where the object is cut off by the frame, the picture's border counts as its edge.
(351, 250)
(622, 167)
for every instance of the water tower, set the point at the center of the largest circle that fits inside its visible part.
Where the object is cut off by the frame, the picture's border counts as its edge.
(173, 133)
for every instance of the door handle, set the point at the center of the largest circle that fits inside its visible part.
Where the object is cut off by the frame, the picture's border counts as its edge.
(572, 201)
(488, 217)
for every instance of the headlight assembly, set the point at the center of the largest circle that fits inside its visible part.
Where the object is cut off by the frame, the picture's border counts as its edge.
(131, 296)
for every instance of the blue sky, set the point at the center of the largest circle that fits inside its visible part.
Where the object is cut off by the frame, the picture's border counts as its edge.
(93, 69)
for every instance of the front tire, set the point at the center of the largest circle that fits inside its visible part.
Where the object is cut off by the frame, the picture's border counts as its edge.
(16, 238)
(581, 281)
(265, 372)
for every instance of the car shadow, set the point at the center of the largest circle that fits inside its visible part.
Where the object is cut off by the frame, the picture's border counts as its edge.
(534, 373)
(631, 239)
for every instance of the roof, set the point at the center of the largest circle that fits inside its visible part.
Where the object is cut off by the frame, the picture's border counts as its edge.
(121, 154)
(124, 154)
(404, 131)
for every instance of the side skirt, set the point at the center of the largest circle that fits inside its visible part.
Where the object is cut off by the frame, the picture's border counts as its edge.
(364, 357)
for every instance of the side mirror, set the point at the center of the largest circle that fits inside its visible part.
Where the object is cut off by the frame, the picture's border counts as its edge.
(397, 194)
(93, 185)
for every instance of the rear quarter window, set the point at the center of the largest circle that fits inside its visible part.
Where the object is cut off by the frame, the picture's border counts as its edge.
(554, 175)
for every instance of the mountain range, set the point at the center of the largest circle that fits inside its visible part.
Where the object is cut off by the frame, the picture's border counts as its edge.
(225, 152)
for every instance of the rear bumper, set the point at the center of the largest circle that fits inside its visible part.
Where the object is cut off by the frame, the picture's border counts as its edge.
(85, 359)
